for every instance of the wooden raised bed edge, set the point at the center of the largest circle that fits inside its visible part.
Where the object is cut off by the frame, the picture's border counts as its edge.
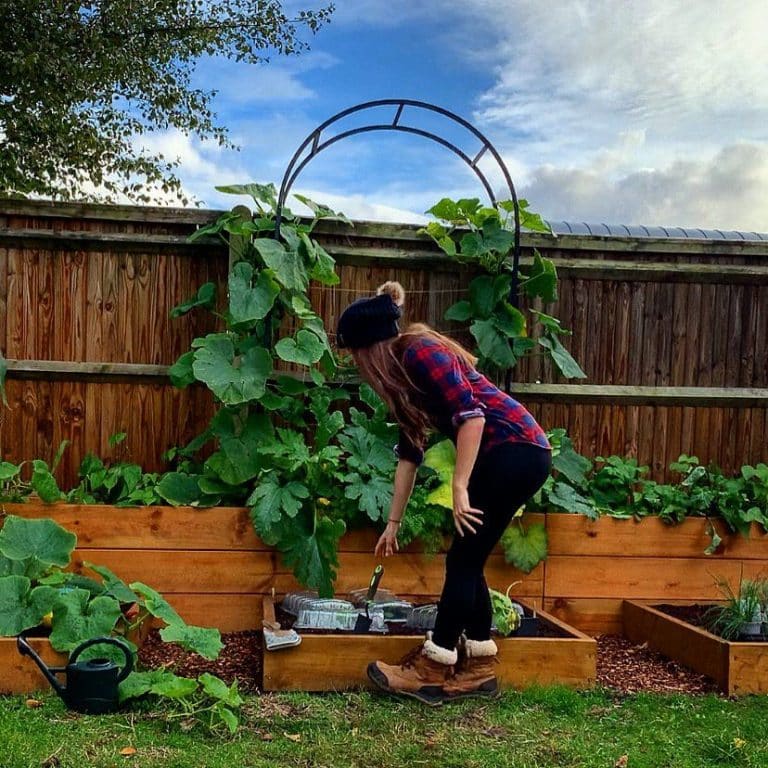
(738, 668)
(336, 662)
(20, 674)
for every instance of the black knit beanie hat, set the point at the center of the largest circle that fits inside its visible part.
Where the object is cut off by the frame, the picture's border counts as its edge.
(366, 321)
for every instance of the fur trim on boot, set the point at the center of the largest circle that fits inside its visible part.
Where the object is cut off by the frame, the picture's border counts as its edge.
(475, 649)
(475, 675)
(437, 653)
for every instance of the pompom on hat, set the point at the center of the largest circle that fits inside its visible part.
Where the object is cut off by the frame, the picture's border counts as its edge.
(366, 321)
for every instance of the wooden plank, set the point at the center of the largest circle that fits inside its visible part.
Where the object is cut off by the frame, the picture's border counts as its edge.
(183, 528)
(653, 578)
(747, 668)
(258, 572)
(691, 646)
(597, 394)
(101, 526)
(594, 616)
(228, 612)
(576, 535)
(4, 267)
(19, 674)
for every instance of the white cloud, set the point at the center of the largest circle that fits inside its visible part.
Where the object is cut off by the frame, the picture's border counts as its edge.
(726, 191)
(604, 95)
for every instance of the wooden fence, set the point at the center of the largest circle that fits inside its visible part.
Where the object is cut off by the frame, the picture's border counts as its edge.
(673, 334)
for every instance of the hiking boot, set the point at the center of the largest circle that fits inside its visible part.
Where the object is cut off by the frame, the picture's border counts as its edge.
(420, 674)
(475, 674)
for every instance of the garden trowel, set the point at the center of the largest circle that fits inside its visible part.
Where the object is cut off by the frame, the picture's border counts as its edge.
(363, 624)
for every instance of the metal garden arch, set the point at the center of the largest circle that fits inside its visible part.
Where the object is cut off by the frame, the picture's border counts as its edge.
(316, 144)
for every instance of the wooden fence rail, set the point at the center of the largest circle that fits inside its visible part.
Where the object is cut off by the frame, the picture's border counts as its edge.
(673, 334)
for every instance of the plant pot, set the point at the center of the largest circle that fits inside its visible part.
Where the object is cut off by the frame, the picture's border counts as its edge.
(750, 629)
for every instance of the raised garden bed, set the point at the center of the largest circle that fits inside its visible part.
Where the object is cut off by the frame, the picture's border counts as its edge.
(19, 674)
(738, 668)
(337, 661)
(215, 571)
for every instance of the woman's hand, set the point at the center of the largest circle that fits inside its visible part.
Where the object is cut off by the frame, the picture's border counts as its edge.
(464, 515)
(387, 543)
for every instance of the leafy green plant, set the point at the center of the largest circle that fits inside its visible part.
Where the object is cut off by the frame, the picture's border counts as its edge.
(14, 488)
(36, 592)
(745, 607)
(506, 618)
(121, 483)
(207, 700)
(280, 439)
(482, 237)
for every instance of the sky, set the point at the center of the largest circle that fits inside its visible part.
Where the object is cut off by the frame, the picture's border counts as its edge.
(615, 111)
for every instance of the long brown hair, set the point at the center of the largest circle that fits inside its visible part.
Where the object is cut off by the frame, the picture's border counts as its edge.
(381, 366)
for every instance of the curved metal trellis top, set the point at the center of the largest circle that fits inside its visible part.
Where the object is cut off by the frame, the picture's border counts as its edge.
(315, 144)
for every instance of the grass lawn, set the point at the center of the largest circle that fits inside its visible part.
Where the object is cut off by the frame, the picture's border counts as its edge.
(537, 728)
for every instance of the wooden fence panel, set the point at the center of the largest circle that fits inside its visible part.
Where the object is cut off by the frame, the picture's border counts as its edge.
(97, 283)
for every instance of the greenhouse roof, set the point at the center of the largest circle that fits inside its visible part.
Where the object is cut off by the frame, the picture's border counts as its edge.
(623, 230)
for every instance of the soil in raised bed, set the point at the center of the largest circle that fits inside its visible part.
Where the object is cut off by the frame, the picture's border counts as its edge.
(697, 615)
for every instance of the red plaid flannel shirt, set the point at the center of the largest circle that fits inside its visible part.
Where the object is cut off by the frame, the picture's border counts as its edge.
(452, 392)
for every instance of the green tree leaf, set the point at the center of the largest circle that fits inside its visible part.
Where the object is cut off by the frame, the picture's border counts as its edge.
(138, 77)
(311, 551)
(571, 464)
(205, 297)
(44, 483)
(493, 345)
(233, 382)
(179, 489)
(218, 689)
(525, 548)
(270, 500)
(238, 459)
(541, 279)
(304, 349)
(373, 494)
(22, 607)
(203, 640)
(43, 541)
(461, 311)
(156, 604)
(564, 496)
(288, 266)
(250, 300)
(562, 358)
(77, 618)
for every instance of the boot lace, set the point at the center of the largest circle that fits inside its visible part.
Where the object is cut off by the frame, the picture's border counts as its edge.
(410, 657)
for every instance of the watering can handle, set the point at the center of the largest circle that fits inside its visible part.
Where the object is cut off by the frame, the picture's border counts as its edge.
(107, 641)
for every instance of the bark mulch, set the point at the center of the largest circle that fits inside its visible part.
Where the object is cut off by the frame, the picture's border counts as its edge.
(621, 665)
(631, 668)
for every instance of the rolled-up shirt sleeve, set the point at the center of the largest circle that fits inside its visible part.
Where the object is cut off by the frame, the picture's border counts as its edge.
(407, 451)
(439, 369)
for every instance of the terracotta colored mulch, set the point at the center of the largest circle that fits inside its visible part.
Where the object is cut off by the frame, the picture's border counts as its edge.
(631, 668)
(240, 658)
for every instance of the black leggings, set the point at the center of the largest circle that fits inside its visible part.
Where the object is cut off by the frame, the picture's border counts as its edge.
(501, 482)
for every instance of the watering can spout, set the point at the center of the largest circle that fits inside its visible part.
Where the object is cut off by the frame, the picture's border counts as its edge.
(25, 649)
